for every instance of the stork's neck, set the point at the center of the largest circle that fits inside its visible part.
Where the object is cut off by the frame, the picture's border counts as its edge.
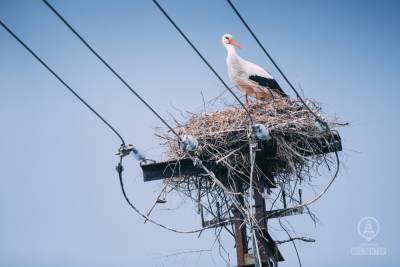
(232, 55)
(231, 50)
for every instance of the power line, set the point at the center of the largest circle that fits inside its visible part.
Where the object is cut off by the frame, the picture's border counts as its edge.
(202, 57)
(274, 63)
(120, 170)
(264, 50)
(124, 149)
(61, 80)
(323, 122)
(108, 66)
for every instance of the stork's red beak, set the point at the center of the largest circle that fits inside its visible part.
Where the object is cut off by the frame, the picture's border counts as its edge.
(234, 43)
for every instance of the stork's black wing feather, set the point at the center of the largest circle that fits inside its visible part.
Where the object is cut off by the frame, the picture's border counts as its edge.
(270, 83)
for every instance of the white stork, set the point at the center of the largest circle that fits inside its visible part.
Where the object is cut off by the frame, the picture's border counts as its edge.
(252, 79)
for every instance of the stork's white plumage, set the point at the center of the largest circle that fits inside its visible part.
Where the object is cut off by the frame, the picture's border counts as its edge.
(252, 79)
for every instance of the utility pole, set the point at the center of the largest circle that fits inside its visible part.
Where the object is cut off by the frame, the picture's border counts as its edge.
(267, 249)
(265, 158)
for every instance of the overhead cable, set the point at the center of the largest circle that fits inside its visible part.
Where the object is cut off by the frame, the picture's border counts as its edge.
(109, 67)
(62, 81)
(203, 58)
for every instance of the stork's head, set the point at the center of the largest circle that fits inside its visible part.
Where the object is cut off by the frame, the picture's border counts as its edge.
(227, 41)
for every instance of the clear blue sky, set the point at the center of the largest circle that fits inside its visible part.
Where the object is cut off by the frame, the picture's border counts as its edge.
(60, 201)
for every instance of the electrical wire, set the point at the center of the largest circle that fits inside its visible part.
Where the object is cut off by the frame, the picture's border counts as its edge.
(202, 57)
(290, 238)
(323, 122)
(269, 56)
(119, 167)
(120, 170)
(62, 81)
(109, 67)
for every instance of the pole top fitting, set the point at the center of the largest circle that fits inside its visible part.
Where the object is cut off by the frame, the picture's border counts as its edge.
(125, 150)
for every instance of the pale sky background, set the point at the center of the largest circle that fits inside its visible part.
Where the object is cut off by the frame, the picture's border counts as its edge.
(60, 201)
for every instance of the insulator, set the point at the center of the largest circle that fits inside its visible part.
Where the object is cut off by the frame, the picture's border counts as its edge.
(261, 131)
(189, 143)
(138, 154)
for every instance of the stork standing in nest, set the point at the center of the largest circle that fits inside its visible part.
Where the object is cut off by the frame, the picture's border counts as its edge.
(252, 79)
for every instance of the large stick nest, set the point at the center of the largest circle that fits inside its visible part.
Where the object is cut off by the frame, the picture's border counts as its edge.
(296, 135)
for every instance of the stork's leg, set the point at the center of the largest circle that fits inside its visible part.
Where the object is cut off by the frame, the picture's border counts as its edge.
(246, 99)
(260, 98)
